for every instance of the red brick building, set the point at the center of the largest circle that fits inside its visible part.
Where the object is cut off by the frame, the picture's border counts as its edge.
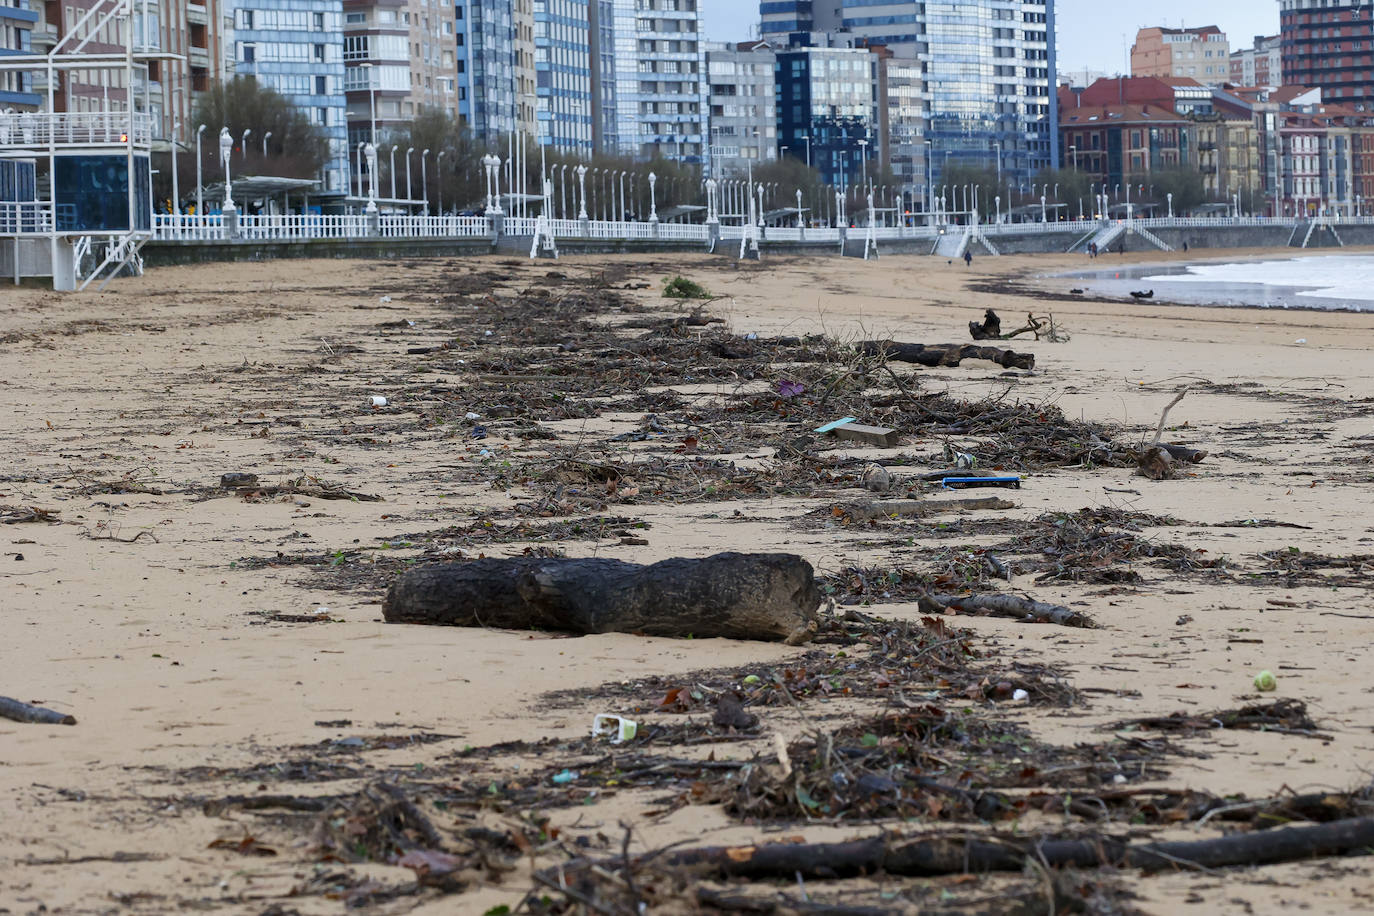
(1330, 44)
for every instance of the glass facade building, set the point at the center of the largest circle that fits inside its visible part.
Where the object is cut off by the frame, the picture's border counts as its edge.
(296, 48)
(988, 69)
(827, 95)
(497, 77)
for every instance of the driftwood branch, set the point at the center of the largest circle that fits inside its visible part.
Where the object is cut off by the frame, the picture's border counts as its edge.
(24, 712)
(1157, 462)
(960, 855)
(942, 355)
(915, 508)
(733, 595)
(1016, 608)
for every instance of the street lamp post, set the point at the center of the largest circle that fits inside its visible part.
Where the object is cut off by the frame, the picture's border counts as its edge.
(176, 192)
(226, 152)
(1073, 156)
(243, 144)
(371, 152)
(439, 177)
(653, 200)
(409, 195)
(372, 101)
(863, 160)
(392, 160)
(1043, 217)
(265, 137)
(581, 172)
(807, 138)
(362, 147)
(799, 208)
(563, 189)
(1170, 195)
(200, 189)
(424, 178)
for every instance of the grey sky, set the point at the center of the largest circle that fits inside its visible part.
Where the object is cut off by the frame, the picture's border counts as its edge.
(1089, 30)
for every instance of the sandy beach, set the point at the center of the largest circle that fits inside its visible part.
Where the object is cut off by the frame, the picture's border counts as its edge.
(214, 643)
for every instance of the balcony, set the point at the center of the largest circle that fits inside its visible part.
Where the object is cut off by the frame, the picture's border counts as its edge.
(42, 36)
(196, 14)
(198, 57)
(73, 130)
(1207, 147)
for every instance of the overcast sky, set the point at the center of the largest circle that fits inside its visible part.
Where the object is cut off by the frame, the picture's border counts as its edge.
(1089, 30)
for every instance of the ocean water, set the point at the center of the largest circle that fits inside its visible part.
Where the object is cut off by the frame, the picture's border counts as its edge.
(1344, 282)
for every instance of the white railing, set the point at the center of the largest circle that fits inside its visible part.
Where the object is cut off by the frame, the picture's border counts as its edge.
(36, 130)
(291, 226)
(181, 227)
(36, 218)
(25, 218)
(687, 232)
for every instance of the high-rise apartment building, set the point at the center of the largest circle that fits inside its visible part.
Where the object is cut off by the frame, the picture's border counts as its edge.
(400, 59)
(496, 74)
(563, 61)
(903, 120)
(1203, 54)
(296, 48)
(660, 83)
(989, 70)
(17, 21)
(743, 108)
(1259, 65)
(1330, 44)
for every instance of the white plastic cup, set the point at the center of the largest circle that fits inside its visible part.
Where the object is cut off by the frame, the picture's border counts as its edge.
(617, 728)
(378, 401)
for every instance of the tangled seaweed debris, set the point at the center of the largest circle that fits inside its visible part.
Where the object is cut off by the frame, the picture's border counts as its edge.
(1286, 717)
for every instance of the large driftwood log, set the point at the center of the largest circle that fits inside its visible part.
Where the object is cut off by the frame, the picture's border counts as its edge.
(738, 596)
(25, 712)
(937, 355)
(957, 855)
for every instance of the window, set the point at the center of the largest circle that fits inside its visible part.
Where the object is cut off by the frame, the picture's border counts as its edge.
(322, 114)
(322, 85)
(319, 53)
(250, 53)
(355, 18)
(319, 22)
(245, 19)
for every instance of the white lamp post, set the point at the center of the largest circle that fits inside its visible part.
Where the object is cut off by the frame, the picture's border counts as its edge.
(200, 189)
(409, 196)
(265, 137)
(760, 192)
(176, 187)
(653, 198)
(424, 177)
(439, 178)
(243, 144)
(1170, 195)
(362, 149)
(581, 172)
(372, 102)
(371, 152)
(712, 215)
(392, 159)
(496, 183)
(799, 209)
(1043, 217)
(999, 207)
(226, 152)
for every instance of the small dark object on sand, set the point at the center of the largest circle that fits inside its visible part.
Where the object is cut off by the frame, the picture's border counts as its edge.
(1138, 294)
